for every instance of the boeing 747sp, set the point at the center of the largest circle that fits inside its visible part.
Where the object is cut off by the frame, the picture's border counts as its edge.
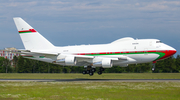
(121, 52)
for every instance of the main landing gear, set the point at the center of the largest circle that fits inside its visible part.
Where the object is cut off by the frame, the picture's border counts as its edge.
(90, 70)
(100, 70)
(153, 68)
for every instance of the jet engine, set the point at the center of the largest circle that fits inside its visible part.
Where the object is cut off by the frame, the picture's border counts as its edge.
(105, 63)
(68, 60)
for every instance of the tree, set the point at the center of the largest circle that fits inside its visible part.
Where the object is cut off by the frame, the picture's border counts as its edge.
(20, 64)
(28, 66)
(6, 63)
(2, 67)
(177, 63)
(15, 61)
(169, 65)
(66, 69)
(130, 68)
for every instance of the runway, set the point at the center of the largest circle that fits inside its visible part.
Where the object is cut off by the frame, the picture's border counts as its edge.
(91, 80)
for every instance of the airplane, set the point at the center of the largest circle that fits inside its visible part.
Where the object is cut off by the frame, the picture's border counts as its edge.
(120, 52)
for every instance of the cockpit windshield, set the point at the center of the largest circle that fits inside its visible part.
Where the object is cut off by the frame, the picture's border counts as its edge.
(158, 42)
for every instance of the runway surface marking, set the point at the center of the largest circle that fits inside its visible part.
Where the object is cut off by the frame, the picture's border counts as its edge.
(93, 80)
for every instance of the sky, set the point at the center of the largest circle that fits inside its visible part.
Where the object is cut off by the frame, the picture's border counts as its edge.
(76, 22)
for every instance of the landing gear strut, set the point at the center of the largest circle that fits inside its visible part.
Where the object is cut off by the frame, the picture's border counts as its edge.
(153, 68)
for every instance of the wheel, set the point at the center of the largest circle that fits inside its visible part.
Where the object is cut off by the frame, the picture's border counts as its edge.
(88, 71)
(100, 72)
(93, 69)
(84, 72)
(91, 73)
(153, 69)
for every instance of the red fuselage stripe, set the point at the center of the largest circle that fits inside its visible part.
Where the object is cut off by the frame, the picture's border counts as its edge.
(167, 53)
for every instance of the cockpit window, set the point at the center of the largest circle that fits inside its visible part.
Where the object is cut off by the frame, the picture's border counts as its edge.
(158, 42)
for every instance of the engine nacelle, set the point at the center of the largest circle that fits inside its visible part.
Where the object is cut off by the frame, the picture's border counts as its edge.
(67, 60)
(70, 60)
(105, 63)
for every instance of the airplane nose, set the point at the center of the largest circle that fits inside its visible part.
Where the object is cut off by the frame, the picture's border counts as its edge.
(172, 52)
(169, 51)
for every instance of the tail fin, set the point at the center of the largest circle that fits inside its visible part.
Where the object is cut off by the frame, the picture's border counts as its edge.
(31, 39)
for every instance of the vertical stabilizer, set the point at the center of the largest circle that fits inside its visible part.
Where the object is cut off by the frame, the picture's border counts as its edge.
(31, 39)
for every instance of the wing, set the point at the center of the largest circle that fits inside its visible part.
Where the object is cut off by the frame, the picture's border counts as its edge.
(53, 57)
(73, 60)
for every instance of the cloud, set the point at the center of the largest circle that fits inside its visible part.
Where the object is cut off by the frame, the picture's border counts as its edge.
(58, 3)
(94, 4)
(89, 20)
(18, 4)
(158, 5)
(99, 9)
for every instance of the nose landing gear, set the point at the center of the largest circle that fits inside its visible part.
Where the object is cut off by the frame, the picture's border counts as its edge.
(153, 68)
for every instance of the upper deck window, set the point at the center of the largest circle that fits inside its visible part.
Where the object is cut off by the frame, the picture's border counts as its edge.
(158, 42)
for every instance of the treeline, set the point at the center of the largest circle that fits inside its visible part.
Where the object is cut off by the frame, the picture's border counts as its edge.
(24, 65)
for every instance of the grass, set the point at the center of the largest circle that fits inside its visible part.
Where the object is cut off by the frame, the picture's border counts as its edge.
(90, 90)
(95, 76)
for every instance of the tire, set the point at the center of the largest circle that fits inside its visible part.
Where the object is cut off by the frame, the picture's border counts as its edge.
(100, 72)
(93, 69)
(153, 69)
(88, 71)
(84, 72)
(91, 73)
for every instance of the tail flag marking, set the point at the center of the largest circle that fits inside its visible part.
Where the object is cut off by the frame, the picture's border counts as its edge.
(27, 31)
